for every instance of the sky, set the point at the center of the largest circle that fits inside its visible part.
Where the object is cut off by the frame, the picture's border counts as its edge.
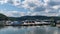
(18, 8)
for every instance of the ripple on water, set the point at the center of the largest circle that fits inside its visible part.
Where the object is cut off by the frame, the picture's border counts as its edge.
(30, 30)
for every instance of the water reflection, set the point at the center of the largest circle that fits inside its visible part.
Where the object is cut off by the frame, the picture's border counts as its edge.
(29, 30)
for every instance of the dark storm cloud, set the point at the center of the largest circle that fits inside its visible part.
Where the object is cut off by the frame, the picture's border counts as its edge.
(53, 3)
(53, 11)
(31, 4)
(40, 8)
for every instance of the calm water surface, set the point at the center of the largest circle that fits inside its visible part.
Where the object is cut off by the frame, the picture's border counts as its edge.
(29, 30)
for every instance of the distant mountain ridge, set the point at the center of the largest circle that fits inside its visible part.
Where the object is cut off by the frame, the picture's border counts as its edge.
(3, 17)
(29, 18)
(39, 17)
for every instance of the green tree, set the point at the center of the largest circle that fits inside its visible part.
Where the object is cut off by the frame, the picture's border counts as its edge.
(53, 22)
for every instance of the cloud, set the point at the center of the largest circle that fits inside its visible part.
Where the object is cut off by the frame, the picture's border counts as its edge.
(54, 2)
(13, 13)
(15, 2)
(31, 7)
(47, 6)
(56, 7)
(40, 8)
(3, 1)
(31, 4)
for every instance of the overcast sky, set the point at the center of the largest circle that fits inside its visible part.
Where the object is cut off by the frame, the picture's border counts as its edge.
(17, 8)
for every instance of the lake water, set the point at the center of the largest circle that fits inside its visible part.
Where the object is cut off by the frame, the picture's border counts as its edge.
(29, 30)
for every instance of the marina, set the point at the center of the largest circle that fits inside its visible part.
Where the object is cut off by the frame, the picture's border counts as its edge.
(31, 23)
